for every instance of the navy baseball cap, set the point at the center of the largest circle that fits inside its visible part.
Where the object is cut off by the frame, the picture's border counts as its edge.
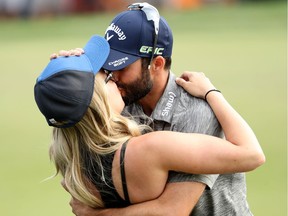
(131, 36)
(64, 89)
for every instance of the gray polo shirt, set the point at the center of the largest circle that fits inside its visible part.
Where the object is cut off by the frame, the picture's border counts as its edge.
(177, 110)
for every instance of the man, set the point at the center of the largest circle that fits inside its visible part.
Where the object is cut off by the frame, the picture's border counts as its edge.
(142, 74)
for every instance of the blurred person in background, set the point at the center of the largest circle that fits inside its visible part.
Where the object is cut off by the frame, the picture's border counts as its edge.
(109, 160)
(15, 8)
(139, 62)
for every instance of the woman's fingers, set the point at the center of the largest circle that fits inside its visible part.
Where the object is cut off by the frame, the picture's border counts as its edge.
(66, 53)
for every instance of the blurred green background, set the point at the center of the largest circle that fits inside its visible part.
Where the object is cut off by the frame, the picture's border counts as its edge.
(241, 48)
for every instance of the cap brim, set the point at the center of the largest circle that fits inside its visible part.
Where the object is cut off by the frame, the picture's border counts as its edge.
(118, 60)
(97, 49)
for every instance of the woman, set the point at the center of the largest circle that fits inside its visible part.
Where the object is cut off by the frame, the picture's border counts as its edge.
(107, 160)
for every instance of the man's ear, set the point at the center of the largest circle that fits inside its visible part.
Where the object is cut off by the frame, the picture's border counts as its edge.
(158, 63)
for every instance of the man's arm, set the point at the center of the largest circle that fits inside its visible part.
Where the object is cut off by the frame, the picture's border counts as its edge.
(177, 199)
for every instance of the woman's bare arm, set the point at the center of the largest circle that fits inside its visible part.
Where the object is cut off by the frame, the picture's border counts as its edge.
(240, 152)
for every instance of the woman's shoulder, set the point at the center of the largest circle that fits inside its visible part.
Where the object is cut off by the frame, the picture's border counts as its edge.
(144, 170)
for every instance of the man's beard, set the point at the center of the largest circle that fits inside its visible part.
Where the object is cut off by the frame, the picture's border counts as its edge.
(138, 89)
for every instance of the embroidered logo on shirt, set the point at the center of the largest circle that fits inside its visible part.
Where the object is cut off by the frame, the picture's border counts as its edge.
(169, 104)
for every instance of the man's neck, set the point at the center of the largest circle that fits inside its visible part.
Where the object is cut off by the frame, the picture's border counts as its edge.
(150, 101)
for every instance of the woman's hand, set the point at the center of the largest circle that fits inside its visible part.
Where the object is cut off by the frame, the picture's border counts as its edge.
(72, 52)
(195, 83)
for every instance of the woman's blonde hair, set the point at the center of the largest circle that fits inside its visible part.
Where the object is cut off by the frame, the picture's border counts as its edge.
(100, 132)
